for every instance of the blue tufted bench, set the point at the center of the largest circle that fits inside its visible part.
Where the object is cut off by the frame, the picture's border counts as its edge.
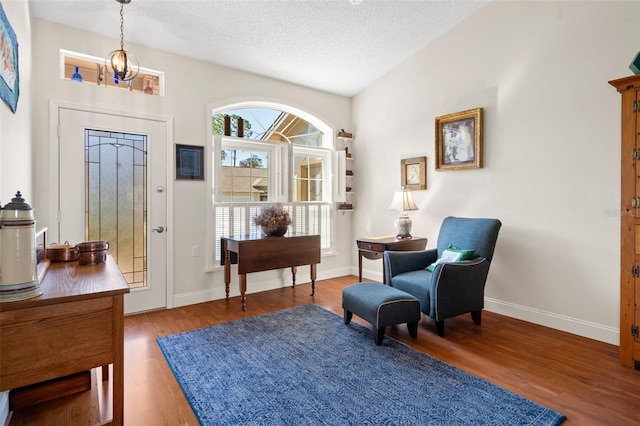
(381, 305)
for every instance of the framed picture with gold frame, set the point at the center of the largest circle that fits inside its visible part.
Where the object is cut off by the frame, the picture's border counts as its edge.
(413, 173)
(459, 140)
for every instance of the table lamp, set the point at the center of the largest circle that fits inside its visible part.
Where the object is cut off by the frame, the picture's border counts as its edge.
(403, 201)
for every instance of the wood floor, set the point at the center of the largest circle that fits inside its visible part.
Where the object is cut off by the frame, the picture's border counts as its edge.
(578, 377)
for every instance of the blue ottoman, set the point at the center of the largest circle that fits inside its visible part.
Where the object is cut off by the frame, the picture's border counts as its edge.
(381, 305)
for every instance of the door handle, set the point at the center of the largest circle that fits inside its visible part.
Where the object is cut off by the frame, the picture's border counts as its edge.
(159, 229)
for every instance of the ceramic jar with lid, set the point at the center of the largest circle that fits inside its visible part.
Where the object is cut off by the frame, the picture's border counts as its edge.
(18, 259)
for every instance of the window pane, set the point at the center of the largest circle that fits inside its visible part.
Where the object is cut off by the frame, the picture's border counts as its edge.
(307, 178)
(245, 175)
(269, 125)
(315, 190)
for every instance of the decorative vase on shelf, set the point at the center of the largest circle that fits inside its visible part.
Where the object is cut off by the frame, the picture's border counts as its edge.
(76, 76)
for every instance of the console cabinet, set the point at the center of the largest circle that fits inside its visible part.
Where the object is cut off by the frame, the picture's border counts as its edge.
(75, 325)
(629, 88)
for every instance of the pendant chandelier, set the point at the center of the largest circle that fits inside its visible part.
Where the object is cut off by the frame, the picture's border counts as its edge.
(122, 65)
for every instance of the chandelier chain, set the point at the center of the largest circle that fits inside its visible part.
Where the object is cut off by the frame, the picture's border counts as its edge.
(121, 26)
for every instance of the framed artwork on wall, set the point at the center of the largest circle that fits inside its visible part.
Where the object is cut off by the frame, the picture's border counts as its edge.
(189, 162)
(413, 173)
(9, 75)
(459, 140)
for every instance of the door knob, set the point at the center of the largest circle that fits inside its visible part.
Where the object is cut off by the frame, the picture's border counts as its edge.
(159, 229)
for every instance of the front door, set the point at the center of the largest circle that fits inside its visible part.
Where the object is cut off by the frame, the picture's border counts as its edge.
(112, 182)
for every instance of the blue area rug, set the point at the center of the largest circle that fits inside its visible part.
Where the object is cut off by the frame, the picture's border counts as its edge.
(304, 366)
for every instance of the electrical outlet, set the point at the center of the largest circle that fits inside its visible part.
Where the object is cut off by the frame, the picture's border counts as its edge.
(195, 251)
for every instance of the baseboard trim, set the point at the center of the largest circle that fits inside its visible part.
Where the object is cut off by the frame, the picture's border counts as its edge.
(565, 323)
(255, 286)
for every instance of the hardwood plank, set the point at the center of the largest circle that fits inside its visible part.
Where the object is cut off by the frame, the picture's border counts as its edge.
(576, 376)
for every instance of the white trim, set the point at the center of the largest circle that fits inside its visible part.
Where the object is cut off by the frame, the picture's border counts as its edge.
(591, 330)
(255, 285)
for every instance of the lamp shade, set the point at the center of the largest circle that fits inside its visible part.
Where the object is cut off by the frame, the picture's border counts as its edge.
(403, 201)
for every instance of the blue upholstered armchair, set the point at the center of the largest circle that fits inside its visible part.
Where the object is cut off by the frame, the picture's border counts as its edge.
(451, 289)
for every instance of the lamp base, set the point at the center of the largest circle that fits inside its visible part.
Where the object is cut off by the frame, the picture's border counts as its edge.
(403, 225)
(403, 237)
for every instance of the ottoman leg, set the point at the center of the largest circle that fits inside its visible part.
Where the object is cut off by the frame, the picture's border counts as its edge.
(347, 316)
(378, 335)
(413, 329)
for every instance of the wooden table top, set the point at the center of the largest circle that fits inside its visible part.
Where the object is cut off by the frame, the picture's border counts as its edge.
(69, 281)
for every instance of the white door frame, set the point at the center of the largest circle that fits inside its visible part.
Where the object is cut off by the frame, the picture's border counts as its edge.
(54, 107)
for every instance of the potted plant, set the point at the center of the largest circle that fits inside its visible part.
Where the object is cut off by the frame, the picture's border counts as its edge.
(274, 220)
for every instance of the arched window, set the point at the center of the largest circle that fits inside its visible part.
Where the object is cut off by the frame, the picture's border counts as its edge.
(266, 153)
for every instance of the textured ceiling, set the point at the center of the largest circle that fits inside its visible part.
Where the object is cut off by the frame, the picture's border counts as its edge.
(338, 46)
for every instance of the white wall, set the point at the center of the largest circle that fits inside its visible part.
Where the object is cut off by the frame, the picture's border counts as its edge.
(190, 86)
(551, 151)
(15, 129)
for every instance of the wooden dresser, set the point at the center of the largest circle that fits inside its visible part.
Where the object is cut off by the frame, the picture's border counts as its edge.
(75, 325)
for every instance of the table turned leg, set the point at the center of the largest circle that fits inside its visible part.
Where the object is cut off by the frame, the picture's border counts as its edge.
(313, 279)
(243, 290)
(227, 271)
(294, 269)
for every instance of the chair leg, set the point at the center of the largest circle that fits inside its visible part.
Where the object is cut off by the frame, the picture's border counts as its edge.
(476, 316)
(413, 329)
(440, 328)
(347, 316)
(378, 335)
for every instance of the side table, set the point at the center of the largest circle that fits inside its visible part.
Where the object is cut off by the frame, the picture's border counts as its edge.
(374, 247)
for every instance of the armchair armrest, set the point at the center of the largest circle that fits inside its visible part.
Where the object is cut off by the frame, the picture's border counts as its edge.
(397, 262)
(457, 288)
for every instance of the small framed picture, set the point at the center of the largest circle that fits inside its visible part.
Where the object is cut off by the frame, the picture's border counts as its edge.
(189, 162)
(413, 173)
(459, 140)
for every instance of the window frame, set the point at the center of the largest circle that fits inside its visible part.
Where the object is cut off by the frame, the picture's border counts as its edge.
(277, 165)
(282, 174)
(327, 166)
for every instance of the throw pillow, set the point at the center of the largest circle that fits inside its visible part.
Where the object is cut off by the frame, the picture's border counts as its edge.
(452, 254)
(466, 253)
(448, 256)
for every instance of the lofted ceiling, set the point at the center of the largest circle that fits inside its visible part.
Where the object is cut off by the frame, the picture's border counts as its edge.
(337, 46)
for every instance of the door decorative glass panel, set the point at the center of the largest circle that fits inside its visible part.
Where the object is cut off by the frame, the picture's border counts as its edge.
(116, 199)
